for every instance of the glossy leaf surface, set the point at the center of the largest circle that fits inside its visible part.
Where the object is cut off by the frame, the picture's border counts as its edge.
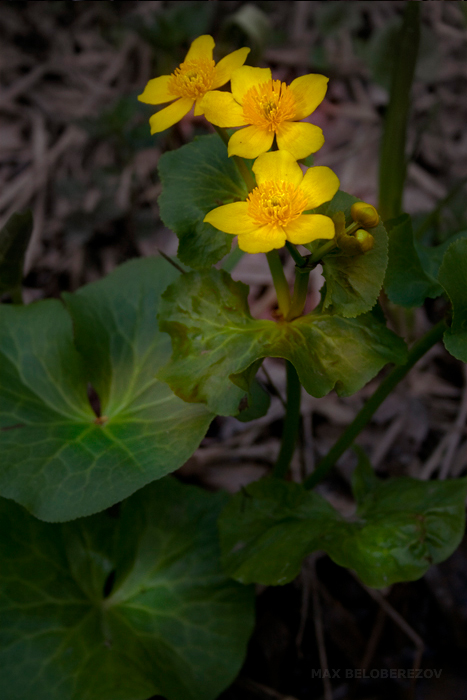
(401, 527)
(59, 459)
(120, 608)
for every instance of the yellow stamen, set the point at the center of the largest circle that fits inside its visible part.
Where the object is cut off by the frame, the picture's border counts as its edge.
(268, 104)
(275, 202)
(192, 78)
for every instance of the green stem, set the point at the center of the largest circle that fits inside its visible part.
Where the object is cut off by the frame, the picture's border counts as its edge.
(300, 261)
(291, 423)
(392, 166)
(280, 283)
(381, 393)
(317, 256)
(239, 162)
(299, 293)
(233, 259)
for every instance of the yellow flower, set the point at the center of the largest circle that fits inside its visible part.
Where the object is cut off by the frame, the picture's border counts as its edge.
(189, 82)
(273, 211)
(272, 109)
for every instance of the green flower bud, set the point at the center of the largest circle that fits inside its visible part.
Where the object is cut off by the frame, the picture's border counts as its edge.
(364, 214)
(364, 240)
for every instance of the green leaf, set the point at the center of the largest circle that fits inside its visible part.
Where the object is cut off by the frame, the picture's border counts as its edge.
(406, 282)
(197, 178)
(14, 240)
(453, 276)
(123, 608)
(400, 528)
(58, 459)
(215, 340)
(258, 402)
(431, 257)
(353, 283)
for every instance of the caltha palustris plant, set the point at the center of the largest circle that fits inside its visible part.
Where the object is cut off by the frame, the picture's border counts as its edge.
(145, 599)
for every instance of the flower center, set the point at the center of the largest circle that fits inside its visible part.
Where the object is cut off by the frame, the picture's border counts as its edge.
(269, 104)
(192, 78)
(275, 202)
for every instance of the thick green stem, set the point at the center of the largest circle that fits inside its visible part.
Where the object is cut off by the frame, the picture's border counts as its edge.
(381, 393)
(239, 162)
(291, 423)
(280, 283)
(392, 165)
(300, 261)
(299, 293)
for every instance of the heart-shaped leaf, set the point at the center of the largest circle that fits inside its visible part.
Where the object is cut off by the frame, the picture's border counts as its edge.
(120, 608)
(59, 459)
(215, 340)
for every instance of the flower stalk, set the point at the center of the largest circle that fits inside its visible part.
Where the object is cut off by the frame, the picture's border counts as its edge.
(291, 423)
(280, 282)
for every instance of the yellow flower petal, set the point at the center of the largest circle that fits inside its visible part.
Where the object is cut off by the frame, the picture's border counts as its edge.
(156, 91)
(309, 227)
(262, 240)
(231, 218)
(221, 109)
(198, 111)
(246, 77)
(226, 66)
(320, 184)
(170, 115)
(299, 138)
(201, 48)
(309, 91)
(250, 142)
(277, 165)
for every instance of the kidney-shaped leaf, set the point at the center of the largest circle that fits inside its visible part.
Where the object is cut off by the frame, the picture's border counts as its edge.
(215, 340)
(401, 527)
(354, 282)
(197, 178)
(59, 459)
(123, 608)
(453, 277)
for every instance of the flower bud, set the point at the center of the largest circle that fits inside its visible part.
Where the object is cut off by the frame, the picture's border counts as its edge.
(364, 240)
(364, 214)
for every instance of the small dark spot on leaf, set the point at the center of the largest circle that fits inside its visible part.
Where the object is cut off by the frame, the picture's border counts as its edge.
(108, 584)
